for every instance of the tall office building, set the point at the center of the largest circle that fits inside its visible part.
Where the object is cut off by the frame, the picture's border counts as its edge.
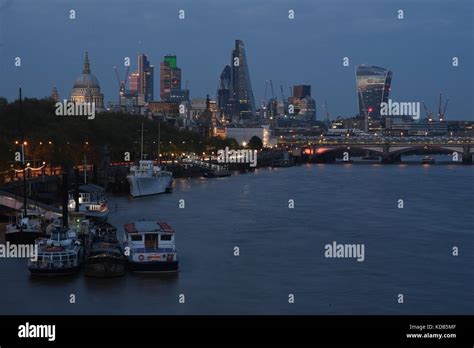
(301, 91)
(304, 105)
(134, 82)
(170, 79)
(146, 71)
(373, 88)
(223, 90)
(146, 77)
(241, 91)
(141, 82)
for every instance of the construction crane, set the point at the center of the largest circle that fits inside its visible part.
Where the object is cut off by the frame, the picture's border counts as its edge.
(271, 104)
(442, 113)
(264, 101)
(328, 122)
(444, 110)
(273, 92)
(282, 95)
(265, 96)
(429, 114)
(122, 83)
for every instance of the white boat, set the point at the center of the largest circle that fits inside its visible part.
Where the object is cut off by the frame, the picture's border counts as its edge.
(24, 229)
(92, 202)
(150, 246)
(147, 179)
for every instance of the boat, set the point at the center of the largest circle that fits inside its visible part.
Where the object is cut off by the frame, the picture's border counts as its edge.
(92, 201)
(369, 157)
(150, 246)
(77, 221)
(25, 228)
(146, 179)
(27, 224)
(104, 257)
(428, 160)
(284, 163)
(60, 254)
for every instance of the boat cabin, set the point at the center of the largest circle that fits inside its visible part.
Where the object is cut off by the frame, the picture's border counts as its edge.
(93, 196)
(150, 236)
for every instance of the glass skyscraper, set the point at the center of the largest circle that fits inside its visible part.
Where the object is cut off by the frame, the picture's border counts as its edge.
(223, 90)
(241, 91)
(141, 81)
(373, 88)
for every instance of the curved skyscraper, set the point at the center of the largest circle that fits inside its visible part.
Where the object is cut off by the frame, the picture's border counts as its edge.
(373, 88)
(223, 90)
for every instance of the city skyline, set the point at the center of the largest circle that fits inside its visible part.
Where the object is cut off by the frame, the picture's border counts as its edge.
(421, 69)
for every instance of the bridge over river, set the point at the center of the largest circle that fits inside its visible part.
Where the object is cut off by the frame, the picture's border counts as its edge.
(389, 149)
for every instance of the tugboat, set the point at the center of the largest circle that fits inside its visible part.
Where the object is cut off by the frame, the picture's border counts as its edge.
(150, 246)
(25, 229)
(428, 160)
(60, 254)
(104, 256)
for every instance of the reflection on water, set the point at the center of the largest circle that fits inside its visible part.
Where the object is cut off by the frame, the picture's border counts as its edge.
(407, 250)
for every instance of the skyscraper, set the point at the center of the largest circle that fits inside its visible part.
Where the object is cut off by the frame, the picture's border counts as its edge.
(142, 80)
(241, 91)
(223, 90)
(304, 105)
(170, 78)
(301, 91)
(373, 88)
(145, 72)
(134, 82)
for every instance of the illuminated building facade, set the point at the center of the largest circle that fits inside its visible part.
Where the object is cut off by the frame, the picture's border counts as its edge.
(170, 79)
(241, 95)
(373, 88)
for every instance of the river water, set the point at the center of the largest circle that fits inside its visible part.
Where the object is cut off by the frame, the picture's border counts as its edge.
(408, 250)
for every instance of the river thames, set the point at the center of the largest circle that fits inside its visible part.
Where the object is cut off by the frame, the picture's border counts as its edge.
(408, 250)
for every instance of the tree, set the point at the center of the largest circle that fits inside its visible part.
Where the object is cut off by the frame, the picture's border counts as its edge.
(255, 143)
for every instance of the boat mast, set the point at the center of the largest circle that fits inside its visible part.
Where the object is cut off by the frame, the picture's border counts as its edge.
(141, 145)
(159, 140)
(25, 211)
(85, 170)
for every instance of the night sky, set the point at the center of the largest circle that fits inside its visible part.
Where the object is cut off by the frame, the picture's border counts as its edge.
(306, 50)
